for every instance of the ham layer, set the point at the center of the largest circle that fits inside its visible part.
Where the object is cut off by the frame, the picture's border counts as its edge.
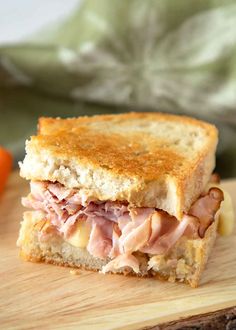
(118, 230)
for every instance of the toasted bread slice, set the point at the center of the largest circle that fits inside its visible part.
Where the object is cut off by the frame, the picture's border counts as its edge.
(147, 159)
(183, 263)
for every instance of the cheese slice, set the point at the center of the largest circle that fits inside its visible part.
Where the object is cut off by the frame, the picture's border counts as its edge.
(80, 235)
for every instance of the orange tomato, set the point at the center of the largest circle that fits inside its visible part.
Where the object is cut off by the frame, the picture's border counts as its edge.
(6, 162)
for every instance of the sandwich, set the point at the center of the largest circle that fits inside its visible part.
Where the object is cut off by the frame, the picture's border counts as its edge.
(128, 193)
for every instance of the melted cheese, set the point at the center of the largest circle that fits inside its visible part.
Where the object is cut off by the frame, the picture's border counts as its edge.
(80, 235)
(226, 218)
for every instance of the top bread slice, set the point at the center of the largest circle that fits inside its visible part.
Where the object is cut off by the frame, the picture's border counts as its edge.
(147, 159)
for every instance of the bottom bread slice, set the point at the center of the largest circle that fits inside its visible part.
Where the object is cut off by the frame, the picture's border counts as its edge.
(183, 263)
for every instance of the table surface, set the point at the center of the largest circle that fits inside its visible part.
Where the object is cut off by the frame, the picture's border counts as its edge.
(38, 295)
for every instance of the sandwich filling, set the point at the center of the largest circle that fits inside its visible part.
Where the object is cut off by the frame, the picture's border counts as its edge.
(114, 230)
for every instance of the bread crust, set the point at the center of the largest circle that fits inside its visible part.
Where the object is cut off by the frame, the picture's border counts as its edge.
(147, 159)
(190, 255)
(49, 125)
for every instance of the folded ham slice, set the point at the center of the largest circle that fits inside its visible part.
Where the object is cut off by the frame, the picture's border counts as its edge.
(125, 260)
(117, 229)
(206, 207)
(99, 244)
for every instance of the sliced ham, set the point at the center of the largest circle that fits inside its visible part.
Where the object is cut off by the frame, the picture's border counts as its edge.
(206, 207)
(37, 189)
(32, 203)
(99, 244)
(116, 250)
(59, 191)
(72, 208)
(122, 261)
(140, 214)
(67, 225)
(107, 226)
(123, 220)
(135, 235)
(117, 229)
(164, 242)
(192, 230)
(115, 209)
(156, 227)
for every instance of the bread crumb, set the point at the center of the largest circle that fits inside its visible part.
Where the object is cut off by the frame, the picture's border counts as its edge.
(74, 272)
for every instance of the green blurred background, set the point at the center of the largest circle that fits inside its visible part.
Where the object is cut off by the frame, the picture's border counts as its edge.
(107, 56)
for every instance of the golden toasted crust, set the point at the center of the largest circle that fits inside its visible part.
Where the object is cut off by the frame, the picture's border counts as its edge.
(121, 155)
(135, 153)
(166, 159)
(48, 125)
(189, 255)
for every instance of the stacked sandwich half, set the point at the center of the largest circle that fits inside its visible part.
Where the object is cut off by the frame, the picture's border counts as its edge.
(129, 193)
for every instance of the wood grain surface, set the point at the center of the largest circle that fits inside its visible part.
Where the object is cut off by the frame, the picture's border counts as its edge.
(34, 296)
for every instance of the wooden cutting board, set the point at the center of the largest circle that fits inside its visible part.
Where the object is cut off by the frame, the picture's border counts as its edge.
(39, 296)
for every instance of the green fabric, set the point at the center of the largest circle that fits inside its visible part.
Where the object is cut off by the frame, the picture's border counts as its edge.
(118, 55)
